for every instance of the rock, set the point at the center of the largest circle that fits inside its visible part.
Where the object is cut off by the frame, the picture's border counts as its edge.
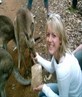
(36, 71)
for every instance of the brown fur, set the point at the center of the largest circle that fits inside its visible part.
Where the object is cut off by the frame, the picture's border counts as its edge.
(7, 67)
(6, 31)
(24, 28)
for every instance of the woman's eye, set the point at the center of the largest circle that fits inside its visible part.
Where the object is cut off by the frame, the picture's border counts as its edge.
(53, 35)
(48, 34)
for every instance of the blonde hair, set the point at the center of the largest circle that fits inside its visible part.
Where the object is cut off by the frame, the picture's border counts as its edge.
(57, 25)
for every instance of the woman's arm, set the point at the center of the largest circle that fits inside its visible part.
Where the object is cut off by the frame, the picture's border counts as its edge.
(46, 64)
(63, 86)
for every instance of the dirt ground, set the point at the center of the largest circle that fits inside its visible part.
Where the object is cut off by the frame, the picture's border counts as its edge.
(13, 88)
(73, 26)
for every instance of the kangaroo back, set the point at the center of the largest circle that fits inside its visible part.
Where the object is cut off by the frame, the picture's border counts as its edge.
(6, 30)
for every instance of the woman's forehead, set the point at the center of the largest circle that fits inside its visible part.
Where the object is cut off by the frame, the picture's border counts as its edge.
(51, 28)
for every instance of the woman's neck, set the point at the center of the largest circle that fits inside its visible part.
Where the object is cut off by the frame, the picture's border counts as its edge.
(57, 57)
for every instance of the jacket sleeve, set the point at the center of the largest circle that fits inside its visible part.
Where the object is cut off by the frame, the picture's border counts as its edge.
(46, 64)
(48, 92)
(63, 73)
(63, 86)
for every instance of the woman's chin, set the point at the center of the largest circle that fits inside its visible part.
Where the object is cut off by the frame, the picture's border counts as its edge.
(51, 52)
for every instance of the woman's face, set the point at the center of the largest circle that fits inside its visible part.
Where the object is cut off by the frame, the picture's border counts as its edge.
(53, 41)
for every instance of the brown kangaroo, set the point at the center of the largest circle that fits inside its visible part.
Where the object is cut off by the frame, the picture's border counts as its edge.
(24, 28)
(6, 31)
(7, 67)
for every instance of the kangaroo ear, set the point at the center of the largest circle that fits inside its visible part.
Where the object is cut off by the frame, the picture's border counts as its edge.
(33, 15)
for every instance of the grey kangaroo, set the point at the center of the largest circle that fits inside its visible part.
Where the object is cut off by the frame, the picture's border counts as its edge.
(7, 67)
(6, 31)
(24, 28)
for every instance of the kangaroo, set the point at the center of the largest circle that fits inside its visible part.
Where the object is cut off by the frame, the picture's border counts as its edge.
(6, 31)
(24, 28)
(7, 67)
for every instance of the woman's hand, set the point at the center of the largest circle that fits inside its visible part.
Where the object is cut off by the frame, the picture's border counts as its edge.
(35, 59)
(39, 88)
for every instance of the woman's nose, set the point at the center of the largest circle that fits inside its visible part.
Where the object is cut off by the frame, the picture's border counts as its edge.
(50, 38)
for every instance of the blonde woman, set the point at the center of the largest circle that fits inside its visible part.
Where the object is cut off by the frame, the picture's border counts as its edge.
(63, 63)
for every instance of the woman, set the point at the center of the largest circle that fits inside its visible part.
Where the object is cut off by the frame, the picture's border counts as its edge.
(63, 63)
